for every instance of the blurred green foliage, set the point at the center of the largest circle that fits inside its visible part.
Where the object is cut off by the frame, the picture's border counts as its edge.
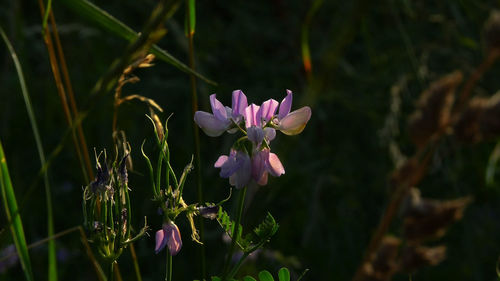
(336, 183)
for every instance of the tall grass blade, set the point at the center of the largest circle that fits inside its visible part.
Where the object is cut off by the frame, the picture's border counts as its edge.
(11, 211)
(48, 196)
(100, 17)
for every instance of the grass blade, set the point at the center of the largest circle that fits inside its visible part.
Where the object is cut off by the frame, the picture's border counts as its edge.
(95, 14)
(10, 204)
(48, 196)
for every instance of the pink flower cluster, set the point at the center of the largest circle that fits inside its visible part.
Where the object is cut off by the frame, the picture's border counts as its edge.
(259, 124)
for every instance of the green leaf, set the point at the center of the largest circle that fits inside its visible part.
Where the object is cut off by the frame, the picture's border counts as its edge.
(265, 276)
(52, 265)
(103, 19)
(284, 274)
(12, 213)
(249, 278)
(228, 226)
(215, 278)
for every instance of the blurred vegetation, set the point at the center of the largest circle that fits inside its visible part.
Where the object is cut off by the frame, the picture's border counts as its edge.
(336, 184)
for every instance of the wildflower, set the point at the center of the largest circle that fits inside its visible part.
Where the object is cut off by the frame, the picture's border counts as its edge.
(291, 123)
(264, 162)
(214, 124)
(237, 167)
(168, 236)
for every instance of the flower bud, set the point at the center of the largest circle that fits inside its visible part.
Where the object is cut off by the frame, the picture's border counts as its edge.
(209, 212)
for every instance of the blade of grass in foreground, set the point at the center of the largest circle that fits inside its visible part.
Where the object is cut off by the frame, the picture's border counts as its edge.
(10, 204)
(52, 271)
(95, 14)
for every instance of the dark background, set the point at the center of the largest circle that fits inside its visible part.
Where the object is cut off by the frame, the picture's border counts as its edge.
(336, 184)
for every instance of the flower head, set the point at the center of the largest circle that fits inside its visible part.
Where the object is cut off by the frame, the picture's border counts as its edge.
(168, 236)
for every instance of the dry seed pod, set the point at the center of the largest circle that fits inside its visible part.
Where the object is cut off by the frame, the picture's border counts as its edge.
(489, 120)
(404, 174)
(492, 31)
(480, 120)
(383, 263)
(433, 108)
(415, 257)
(427, 219)
(467, 128)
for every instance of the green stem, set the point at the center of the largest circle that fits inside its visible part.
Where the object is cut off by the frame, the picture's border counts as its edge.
(237, 266)
(168, 276)
(110, 273)
(236, 232)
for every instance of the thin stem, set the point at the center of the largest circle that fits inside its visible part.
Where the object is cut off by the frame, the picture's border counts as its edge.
(168, 275)
(110, 273)
(237, 266)
(135, 261)
(71, 95)
(236, 232)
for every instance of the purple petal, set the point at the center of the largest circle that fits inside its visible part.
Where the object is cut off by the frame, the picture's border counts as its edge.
(230, 166)
(295, 122)
(239, 103)
(267, 110)
(255, 134)
(218, 109)
(212, 126)
(285, 105)
(258, 166)
(160, 240)
(251, 115)
(173, 237)
(269, 133)
(274, 166)
(222, 159)
(242, 176)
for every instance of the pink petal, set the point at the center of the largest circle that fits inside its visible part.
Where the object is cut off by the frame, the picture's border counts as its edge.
(212, 126)
(295, 122)
(263, 179)
(267, 110)
(285, 105)
(160, 240)
(274, 165)
(251, 115)
(222, 159)
(218, 109)
(239, 103)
